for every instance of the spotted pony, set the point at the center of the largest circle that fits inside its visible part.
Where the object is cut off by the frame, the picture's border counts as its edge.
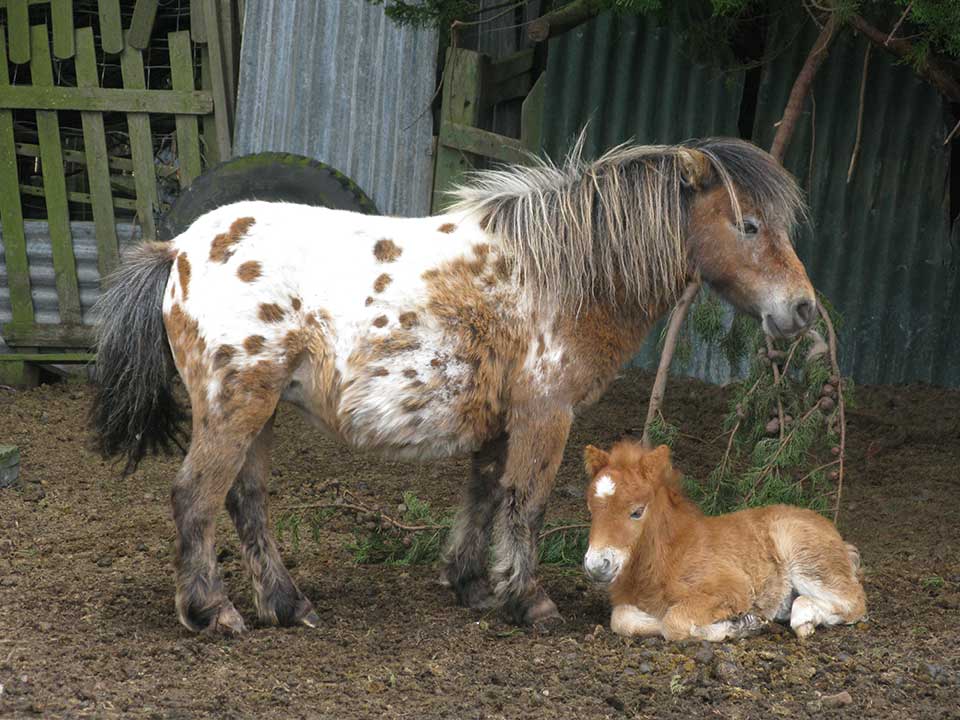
(477, 332)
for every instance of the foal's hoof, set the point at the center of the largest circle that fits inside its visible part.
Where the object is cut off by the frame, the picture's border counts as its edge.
(747, 625)
(226, 621)
(804, 630)
(306, 615)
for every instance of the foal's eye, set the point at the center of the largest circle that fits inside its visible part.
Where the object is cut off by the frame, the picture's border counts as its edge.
(750, 226)
(638, 513)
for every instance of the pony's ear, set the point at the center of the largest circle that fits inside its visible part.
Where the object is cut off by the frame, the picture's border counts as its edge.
(595, 460)
(695, 168)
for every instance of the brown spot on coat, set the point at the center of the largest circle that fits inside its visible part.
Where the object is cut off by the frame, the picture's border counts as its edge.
(368, 301)
(270, 313)
(447, 228)
(408, 319)
(222, 248)
(380, 284)
(183, 271)
(249, 271)
(410, 373)
(254, 344)
(386, 251)
(380, 321)
(541, 345)
(223, 356)
(379, 372)
(296, 303)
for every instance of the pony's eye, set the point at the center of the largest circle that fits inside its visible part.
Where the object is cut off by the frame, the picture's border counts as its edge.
(750, 227)
(637, 513)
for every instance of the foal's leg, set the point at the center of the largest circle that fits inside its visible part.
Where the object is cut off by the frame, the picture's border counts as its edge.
(839, 602)
(534, 450)
(467, 552)
(276, 596)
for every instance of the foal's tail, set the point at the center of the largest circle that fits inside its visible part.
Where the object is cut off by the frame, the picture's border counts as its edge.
(853, 554)
(134, 408)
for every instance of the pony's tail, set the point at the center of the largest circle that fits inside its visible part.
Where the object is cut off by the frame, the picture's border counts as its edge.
(134, 408)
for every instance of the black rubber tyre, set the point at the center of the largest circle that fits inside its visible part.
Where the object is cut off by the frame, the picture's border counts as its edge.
(264, 176)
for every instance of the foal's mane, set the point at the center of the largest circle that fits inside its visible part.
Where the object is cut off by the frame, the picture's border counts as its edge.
(588, 230)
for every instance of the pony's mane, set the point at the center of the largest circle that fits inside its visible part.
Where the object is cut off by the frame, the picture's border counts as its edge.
(581, 231)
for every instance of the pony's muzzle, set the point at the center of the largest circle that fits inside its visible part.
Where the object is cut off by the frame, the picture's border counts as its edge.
(791, 319)
(603, 565)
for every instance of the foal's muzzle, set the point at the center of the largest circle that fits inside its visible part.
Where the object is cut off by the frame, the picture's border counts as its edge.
(603, 565)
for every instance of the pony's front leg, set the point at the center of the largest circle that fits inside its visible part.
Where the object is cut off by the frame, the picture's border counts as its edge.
(278, 599)
(534, 450)
(466, 554)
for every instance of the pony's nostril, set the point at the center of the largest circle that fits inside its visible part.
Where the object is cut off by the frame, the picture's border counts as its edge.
(805, 310)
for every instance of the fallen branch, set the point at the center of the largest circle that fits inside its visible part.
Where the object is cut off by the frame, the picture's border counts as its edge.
(801, 88)
(666, 357)
(840, 404)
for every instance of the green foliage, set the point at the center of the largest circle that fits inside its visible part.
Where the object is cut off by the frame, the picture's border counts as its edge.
(378, 541)
(765, 464)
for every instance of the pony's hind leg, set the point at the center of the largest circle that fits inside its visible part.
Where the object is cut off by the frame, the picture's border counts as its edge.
(534, 451)
(466, 555)
(224, 429)
(276, 596)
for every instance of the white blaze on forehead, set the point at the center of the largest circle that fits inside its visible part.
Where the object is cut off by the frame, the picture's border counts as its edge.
(605, 486)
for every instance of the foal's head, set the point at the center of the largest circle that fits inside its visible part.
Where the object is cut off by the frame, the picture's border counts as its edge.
(628, 486)
(743, 249)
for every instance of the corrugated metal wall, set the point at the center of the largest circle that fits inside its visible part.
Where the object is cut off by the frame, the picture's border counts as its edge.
(43, 288)
(880, 249)
(339, 82)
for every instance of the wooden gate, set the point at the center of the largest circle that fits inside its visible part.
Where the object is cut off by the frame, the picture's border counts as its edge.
(106, 180)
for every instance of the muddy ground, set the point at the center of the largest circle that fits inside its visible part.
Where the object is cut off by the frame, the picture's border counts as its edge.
(87, 624)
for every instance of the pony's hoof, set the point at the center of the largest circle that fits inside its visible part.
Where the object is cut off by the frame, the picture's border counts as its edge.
(804, 630)
(227, 621)
(542, 611)
(476, 594)
(306, 615)
(747, 625)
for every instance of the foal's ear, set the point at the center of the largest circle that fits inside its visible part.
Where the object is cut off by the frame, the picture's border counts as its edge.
(595, 460)
(695, 168)
(658, 460)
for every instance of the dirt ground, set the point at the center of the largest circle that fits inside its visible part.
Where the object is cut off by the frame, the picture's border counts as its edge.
(87, 624)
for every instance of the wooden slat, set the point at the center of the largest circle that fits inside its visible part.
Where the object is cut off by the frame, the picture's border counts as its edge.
(462, 84)
(141, 24)
(62, 336)
(141, 145)
(80, 197)
(26, 97)
(198, 25)
(11, 212)
(188, 135)
(18, 20)
(531, 116)
(81, 357)
(98, 167)
(482, 142)
(54, 183)
(74, 156)
(211, 148)
(230, 48)
(111, 28)
(61, 12)
(222, 104)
